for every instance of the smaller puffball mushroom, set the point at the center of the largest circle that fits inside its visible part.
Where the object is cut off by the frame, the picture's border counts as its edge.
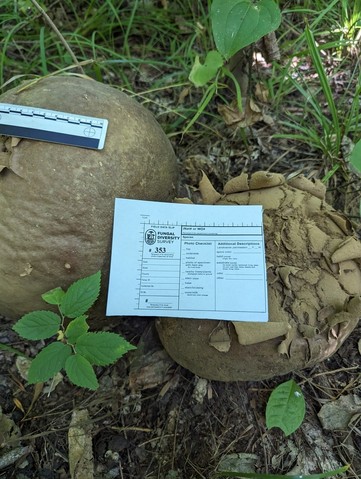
(314, 287)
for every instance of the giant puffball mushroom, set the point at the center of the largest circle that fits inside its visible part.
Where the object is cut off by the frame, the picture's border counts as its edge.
(314, 287)
(57, 201)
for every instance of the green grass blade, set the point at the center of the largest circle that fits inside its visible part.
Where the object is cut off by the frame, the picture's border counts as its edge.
(44, 67)
(316, 58)
(230, 75)
(330, 174)
(207, 97)
(323, 14)
(129, 27)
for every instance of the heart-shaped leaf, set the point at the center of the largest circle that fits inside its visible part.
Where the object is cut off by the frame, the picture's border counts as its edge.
(238, 23)
(202, 74)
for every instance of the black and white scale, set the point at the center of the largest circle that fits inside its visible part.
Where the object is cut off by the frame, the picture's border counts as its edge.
(52, 126)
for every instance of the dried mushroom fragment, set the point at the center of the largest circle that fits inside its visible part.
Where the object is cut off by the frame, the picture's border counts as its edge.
(314, 286)
(56, 201)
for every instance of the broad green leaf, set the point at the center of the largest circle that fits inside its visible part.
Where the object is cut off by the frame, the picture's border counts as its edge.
(102, 348)
(286, 407)
(80, 372)
(76, 328)
(48, 362)
(80, 296)
(202, 74)
(238, 23)
(38, 325)
(355, 158)
(54, 296)
(254, 475)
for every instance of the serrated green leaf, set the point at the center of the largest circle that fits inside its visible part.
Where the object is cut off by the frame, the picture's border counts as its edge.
(238, 23)
(200, 74)
(80, 296)
(254, 475)
(102, 348)
(76, 328)
(48, 362)
(355, 158)
(80, 372)
(54, 296)
(38, 325)
(286, 407)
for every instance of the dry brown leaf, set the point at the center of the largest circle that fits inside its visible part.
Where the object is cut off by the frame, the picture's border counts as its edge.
(261, 93)
(22, 365)
(151, 364)
(81, 464)
(19, 405)
(9, 432)
(183, 95)
(152, 370)
(168, 386)
(231, 115)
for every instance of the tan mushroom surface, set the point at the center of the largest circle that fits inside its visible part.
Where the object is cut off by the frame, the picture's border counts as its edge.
(314, 287)
(56, 201)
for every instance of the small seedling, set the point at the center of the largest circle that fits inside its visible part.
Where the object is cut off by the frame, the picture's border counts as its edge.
(76, 350)
(235, 25)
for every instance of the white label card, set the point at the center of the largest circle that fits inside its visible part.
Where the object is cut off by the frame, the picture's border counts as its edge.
(190, 261)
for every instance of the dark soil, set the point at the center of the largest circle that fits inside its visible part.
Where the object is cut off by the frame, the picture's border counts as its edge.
(169, 430)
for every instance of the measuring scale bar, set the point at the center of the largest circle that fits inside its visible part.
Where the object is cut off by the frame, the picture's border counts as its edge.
(52, 126)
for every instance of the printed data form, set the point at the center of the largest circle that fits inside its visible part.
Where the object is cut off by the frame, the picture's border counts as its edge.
(190, 261)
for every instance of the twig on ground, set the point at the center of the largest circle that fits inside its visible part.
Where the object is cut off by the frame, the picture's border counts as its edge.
(58, 33)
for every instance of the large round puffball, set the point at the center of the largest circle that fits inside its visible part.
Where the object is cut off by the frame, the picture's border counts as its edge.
(57, 201)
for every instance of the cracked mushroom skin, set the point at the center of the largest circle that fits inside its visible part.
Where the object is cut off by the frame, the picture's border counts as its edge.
(57, 201)
(314, 287)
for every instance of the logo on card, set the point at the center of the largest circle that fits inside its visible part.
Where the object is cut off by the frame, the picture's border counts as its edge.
(150, 237)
